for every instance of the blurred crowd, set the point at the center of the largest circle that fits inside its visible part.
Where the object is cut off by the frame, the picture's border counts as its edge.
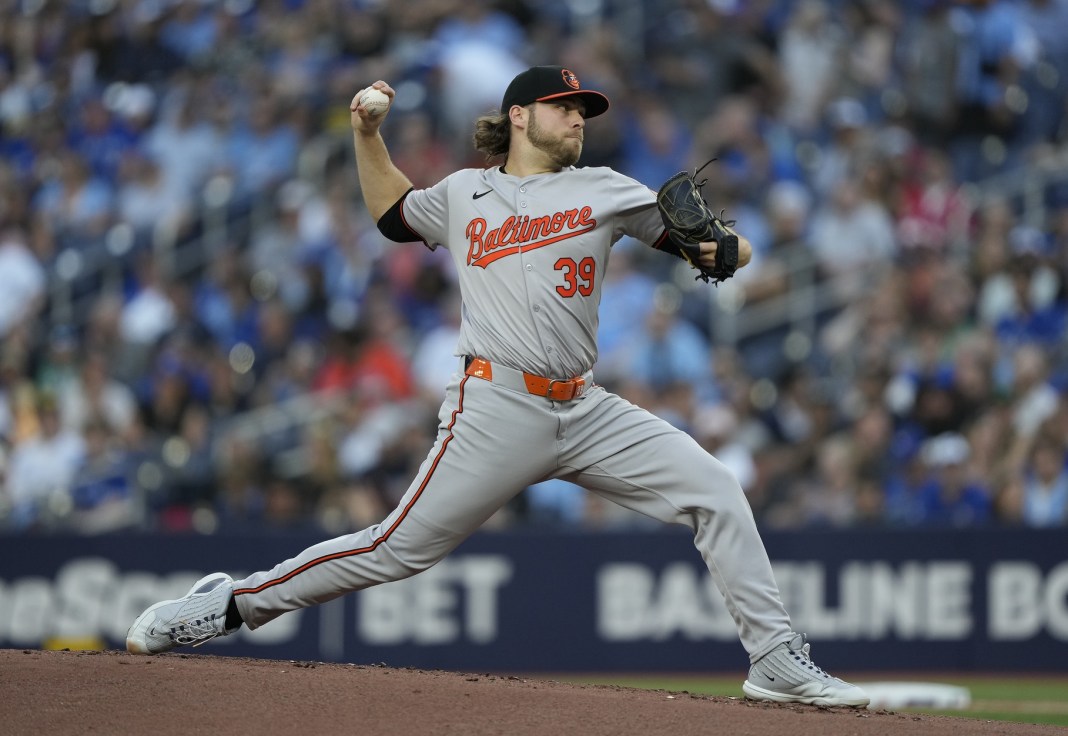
(201, 329)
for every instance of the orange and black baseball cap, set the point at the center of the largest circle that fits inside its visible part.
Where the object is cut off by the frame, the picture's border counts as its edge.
(543, 83)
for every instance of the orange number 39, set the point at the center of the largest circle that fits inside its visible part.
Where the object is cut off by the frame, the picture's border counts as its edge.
(578, 277)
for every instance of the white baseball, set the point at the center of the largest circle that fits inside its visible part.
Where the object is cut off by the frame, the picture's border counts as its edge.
(374, 101)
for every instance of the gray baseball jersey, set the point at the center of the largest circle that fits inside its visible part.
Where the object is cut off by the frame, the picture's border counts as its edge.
(531, 254)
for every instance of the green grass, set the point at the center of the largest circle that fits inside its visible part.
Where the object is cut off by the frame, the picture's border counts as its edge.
(1020, 699)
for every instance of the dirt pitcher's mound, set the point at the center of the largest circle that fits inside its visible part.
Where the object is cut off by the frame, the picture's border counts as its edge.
(115, 693)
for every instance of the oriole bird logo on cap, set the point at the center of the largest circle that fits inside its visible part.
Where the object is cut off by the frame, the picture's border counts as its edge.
(570, 79)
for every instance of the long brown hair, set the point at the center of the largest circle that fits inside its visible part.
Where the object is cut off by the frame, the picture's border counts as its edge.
(493, 135)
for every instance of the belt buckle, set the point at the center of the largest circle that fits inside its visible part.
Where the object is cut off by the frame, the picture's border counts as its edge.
(574, 384)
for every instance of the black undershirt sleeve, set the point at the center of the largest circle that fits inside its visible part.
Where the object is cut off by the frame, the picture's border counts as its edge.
(667, 245)
(392, 224)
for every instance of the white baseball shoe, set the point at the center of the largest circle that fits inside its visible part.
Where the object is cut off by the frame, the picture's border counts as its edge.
(197, 617)
(787, 674)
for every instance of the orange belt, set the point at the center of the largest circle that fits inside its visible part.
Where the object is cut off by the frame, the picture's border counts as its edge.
(557, 389)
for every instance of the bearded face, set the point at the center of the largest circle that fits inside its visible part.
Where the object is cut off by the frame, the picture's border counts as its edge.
(563, 149)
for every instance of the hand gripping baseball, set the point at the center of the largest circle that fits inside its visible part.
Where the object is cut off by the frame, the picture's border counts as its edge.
(690, 222)
(369, 107)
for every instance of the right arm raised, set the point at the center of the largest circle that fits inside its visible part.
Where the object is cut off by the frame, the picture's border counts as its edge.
(381, 181)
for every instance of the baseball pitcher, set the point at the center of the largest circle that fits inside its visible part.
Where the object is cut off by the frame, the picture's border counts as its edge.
(530, 239)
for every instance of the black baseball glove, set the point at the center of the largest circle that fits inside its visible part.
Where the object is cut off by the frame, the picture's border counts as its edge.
(689, 222)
